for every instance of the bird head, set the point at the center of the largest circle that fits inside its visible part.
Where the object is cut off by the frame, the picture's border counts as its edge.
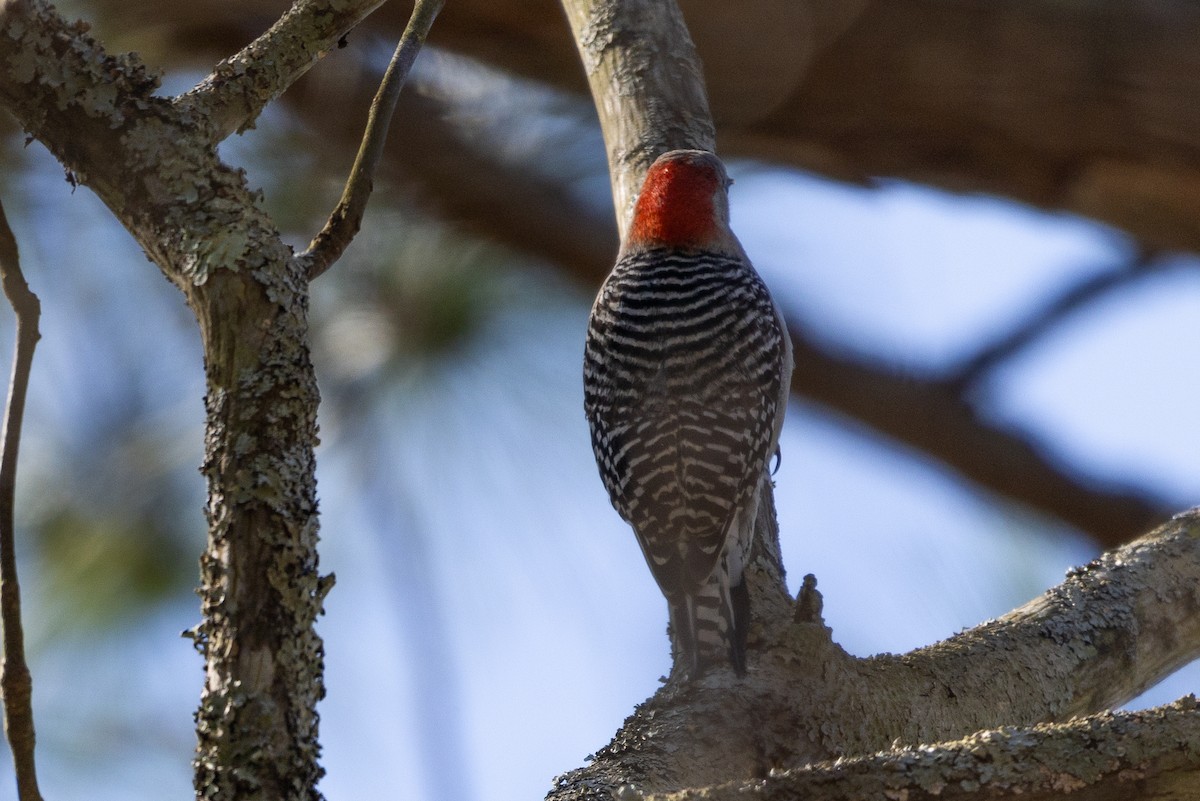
(684, 204)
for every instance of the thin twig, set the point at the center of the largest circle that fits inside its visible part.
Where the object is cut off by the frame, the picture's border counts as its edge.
(15, 682)
(1047, 318)
(328, 246)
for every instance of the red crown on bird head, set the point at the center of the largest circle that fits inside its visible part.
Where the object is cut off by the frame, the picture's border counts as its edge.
(683, 204)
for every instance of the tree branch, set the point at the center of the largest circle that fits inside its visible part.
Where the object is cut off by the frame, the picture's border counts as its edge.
(328, 246)
(1110, 630)
(931, 415)
(195, 216)
(461, 179)
(1048, 317)
(667, 108)
(1114, 628)
(803, 698)
(16, 685)
(1148, 755)
(241, 86)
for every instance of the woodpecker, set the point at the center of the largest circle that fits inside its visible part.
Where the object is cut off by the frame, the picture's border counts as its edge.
(686, 375)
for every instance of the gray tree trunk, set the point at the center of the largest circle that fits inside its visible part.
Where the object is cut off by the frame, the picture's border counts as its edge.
(153, 162)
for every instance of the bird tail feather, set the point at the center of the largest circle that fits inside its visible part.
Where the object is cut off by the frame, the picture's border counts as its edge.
(710, 627)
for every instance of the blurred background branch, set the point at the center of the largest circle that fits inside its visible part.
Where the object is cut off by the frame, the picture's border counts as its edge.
(1070, 106)
(1055, 312)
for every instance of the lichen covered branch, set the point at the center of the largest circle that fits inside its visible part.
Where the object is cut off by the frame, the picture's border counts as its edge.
(1113, 628)
(196, 217)
(241, 86)
(1150, 755)
(1110, 630)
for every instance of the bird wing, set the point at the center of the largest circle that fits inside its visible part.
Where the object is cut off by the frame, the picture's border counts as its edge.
(680, 467)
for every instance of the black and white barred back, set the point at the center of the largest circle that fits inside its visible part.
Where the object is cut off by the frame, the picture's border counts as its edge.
(684, 368)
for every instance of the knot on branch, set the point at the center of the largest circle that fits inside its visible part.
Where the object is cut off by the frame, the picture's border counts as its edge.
(809, 602)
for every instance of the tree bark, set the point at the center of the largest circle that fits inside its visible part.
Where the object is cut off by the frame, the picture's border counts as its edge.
(1148, 756)
(153, 163)
(1111, 630)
